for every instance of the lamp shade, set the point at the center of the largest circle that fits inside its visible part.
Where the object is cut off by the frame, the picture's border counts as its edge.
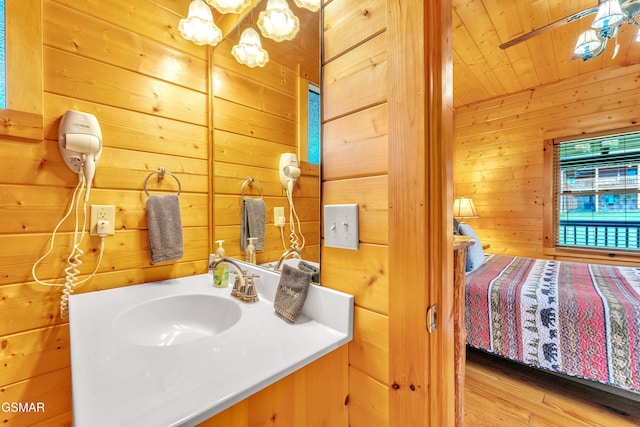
(249, 50)
(229, 6)
(464, 208)
(609, 13)
(198, 26)
(588, 43)
(278, 22)
(312, 5)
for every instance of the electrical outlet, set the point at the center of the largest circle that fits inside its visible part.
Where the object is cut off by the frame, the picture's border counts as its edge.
(278, 216)
(102, 213)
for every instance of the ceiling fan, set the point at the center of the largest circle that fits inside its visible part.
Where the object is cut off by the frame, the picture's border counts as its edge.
(610, 15)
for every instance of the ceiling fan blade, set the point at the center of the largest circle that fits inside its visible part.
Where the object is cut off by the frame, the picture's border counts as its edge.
(551, 26)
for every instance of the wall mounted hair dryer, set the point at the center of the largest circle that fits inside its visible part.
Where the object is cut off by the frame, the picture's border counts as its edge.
(289, 171)
(80, 144)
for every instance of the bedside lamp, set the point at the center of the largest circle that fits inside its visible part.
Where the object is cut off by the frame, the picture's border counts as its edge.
(464, 208)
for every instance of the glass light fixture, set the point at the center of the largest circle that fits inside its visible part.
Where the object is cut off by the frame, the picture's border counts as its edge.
(312, 5)
(229, 6)
(199, 27)
(277, 22)
(609, 13)
(588, 43)
(249, 50)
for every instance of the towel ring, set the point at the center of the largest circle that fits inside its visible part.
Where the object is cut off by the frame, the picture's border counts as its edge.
(250, 181)
(161, 174)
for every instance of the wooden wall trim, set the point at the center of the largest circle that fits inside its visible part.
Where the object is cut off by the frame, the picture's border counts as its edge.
(23, 118)
(420, 235)
(440, 126)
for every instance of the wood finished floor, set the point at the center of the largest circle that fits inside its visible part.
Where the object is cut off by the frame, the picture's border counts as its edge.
(501, 393)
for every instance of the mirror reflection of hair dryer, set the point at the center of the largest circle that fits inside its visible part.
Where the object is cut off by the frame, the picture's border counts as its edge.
(289, 173)
(292, 173)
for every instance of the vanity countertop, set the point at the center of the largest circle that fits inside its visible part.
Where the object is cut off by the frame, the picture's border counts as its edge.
(117, 383)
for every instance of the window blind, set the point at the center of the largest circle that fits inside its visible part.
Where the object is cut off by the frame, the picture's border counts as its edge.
(596, 192)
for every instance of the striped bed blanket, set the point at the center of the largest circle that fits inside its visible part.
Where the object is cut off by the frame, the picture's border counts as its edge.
(581, 320)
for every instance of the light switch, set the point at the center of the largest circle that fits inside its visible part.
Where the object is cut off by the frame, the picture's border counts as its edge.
(341, 226)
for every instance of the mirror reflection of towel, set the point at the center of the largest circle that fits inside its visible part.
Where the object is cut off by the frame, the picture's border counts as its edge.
(165, 228)
(311, 269)
(254, 218)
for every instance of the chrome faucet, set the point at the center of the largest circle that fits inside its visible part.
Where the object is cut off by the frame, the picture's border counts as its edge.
(243, 287)
(293, 251)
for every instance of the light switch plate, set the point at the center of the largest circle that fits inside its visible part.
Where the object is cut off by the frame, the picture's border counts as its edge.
(341, 226)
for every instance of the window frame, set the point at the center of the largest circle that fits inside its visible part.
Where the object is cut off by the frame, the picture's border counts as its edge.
(550, 211)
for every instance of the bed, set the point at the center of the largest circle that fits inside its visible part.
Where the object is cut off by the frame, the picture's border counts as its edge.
(580, 320)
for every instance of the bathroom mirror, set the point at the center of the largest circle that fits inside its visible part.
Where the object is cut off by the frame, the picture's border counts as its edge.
(259, 114)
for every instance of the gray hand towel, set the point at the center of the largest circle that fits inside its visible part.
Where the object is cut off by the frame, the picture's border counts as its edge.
(165, 228)
(291, 294)
(254, 218)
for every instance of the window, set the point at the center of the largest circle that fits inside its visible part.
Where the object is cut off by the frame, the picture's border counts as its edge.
(309, 105)
(313, 125)
(596, 192)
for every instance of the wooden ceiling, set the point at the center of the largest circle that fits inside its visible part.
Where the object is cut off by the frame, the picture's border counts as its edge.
(482, 70)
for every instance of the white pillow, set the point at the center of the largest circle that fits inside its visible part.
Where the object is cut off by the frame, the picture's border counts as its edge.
(475, 253)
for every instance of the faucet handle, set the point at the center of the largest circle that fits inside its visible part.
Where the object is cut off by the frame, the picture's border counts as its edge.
(239, 283)
(250, 294)
(236, 286)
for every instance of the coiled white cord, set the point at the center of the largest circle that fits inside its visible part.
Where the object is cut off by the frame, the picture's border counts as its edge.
(74, 261)
(293, 219)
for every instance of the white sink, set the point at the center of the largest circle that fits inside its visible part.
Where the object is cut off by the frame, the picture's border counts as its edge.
(179, 351)
(176, 319)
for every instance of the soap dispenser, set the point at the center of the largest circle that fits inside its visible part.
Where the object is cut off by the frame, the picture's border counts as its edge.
(220, 273)
(251, 251)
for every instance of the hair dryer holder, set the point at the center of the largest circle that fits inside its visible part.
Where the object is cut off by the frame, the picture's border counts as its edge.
(80, 143)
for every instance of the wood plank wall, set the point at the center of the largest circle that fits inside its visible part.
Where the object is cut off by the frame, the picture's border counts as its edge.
(355, 170)
(386, 135)
(498, 158)
(127, 65)
(149, 88)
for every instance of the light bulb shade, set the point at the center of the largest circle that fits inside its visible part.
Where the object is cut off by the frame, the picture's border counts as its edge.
(312, 5)
(199, 27)
(464, 208)
(249, 50)
(229, 6)
(609, 13)
(588, 43)
(277, 22)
